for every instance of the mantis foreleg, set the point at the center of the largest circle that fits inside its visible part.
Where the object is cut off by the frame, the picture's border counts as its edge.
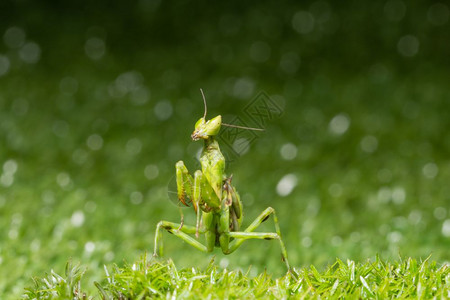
(184, 182)
(184, 186)
(197, 197)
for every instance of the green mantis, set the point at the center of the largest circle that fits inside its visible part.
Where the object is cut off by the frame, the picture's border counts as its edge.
(215, 200)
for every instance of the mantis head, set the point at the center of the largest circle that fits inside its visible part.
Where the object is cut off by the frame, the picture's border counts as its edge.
(205, 129)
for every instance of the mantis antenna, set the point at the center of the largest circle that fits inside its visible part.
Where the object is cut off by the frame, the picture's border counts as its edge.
(204, 101)
(224, 124)
(242, 127)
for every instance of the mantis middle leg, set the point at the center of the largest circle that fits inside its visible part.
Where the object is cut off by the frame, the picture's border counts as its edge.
(179, 231)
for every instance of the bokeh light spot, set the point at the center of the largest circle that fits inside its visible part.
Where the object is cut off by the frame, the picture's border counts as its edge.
(415, 216)
(395, 10)
(306, 242)
(287, 184)
(10, 166)
(440, 213)
(30, 53)
(14, 37)
(163, 110)
(6, 179)
(136, 197)
(94, 142)
(90, 206)
(48, 197)
(35, 245)
(9, 169)
(224, 262)
(336, 241)
(94, 48)
(140, 96)
(79, 156)
(394, 237)
(4, 65)
(288, 151)
(89, 247)
(109, 256)
(125, 83)
(151, 172)
(77, 218)
(408, 45)
(384, 195)
(438, 14)
(355, 236)
(63, 179)
(339, 124)
(243, 88)
(13, 233)
(430, 170)
(134, 146)
(398, 195)
(369, 144)
(303, 22)
(335, 190)
(446, 228)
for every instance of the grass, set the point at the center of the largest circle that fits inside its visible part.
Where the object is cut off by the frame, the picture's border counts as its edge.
(405, 278)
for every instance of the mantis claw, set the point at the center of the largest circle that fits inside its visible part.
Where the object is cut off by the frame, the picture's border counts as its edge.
(183, 201)
(294, 274)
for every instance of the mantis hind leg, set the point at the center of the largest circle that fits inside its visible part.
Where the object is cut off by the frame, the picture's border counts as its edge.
(248, 233)
(181, 232)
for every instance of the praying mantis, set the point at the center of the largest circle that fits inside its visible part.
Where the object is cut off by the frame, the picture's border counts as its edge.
(216, 202)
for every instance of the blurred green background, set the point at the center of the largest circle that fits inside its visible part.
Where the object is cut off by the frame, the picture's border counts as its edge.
(98, 101)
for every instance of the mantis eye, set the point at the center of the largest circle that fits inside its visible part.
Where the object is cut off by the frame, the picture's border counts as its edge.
(200, 122)
(213, 126)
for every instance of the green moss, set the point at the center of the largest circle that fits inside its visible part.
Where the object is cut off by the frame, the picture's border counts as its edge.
(148, 279)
